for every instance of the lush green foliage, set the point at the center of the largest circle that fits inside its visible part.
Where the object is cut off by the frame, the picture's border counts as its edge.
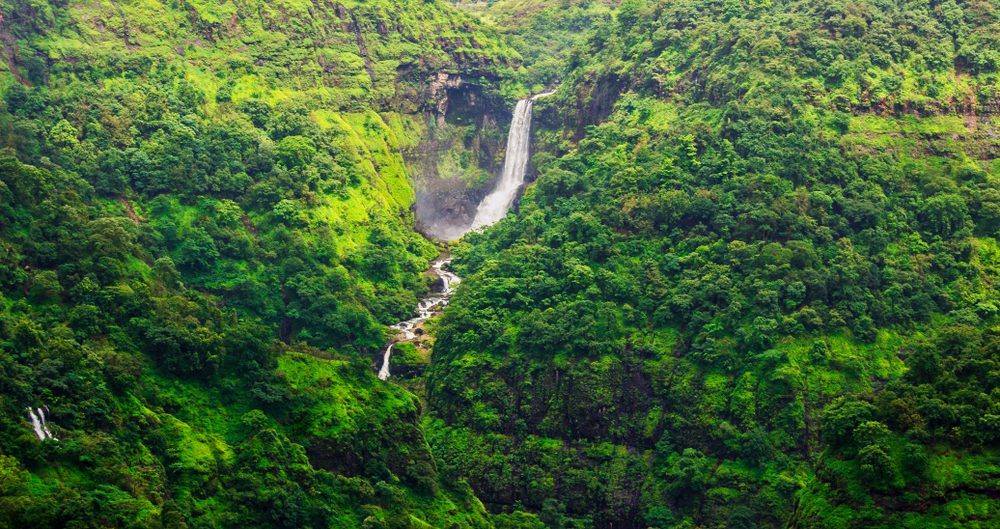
(751, 285)
(546, 39)
(204, 226)
(745, 276)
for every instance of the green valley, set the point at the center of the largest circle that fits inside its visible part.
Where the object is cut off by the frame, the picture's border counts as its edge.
(750, 281)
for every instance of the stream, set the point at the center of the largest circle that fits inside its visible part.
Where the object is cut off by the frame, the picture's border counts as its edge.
(434, 303)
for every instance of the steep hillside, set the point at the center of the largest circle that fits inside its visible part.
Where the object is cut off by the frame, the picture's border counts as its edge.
(753, 284)
(205, 223)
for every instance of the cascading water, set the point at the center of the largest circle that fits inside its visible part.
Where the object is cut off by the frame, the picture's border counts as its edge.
(384, 372)
(494, 207)
(425, 309)
(42, 430)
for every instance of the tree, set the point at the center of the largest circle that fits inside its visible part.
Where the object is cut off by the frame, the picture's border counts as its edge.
(290, 118)
(12, 478)
(756, 447)
(140, 168)
(553, 514)
(288, 211)
(732, 8)
(295, 151)
(665, 446)
(46, 283)
(743, 518)
(629, 12)
(945, 214)
(189, 94)
(111, 175)
(16, 97)
(691, 470)
(660, 517)
(166, 272)
(254, 420)
(257, 110)
(86, 320)
(112, 237)
(872, 433)
(756, 6)
(184, 350)
(876, 464)
(171, 517)
(198, 251)
(842, 417)
(64, 134)
(249, 343)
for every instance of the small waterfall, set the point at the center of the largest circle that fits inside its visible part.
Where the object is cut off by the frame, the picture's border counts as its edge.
(42, 430)
(425, 309)
(494, 207)
(384, 372)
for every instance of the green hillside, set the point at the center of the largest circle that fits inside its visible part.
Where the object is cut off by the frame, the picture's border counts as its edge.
(751, 282)
(205, 223)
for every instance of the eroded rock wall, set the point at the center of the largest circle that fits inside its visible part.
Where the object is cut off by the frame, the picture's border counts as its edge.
(458, 162)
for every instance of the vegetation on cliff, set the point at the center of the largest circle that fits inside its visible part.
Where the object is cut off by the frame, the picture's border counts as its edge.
(205, 224)
(753, 282)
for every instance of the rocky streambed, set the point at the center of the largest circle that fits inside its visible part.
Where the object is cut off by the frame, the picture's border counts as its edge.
(411, 330)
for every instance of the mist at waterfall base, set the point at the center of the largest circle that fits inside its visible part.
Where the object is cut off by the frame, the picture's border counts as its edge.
(495, 206)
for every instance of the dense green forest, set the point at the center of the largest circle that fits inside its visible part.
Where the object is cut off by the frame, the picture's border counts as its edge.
(753, 283)
(205, 225)
(750, 285)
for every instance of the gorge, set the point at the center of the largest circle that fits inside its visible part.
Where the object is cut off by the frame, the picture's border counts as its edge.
(750, 280)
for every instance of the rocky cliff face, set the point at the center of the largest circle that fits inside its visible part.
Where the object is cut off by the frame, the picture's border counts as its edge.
(456, 165)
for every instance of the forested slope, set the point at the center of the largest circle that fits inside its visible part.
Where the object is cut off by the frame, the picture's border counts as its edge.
(753, 284)
(205, 224)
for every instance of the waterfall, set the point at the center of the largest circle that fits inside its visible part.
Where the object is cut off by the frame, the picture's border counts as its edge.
(42, 430)
(384, 372)
(494, 207)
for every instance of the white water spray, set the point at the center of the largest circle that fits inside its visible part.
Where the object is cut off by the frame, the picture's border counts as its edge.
(494, 207)
(42, 430)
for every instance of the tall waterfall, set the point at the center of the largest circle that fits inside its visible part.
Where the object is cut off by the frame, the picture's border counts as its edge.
(491, 210)
(494, 207)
